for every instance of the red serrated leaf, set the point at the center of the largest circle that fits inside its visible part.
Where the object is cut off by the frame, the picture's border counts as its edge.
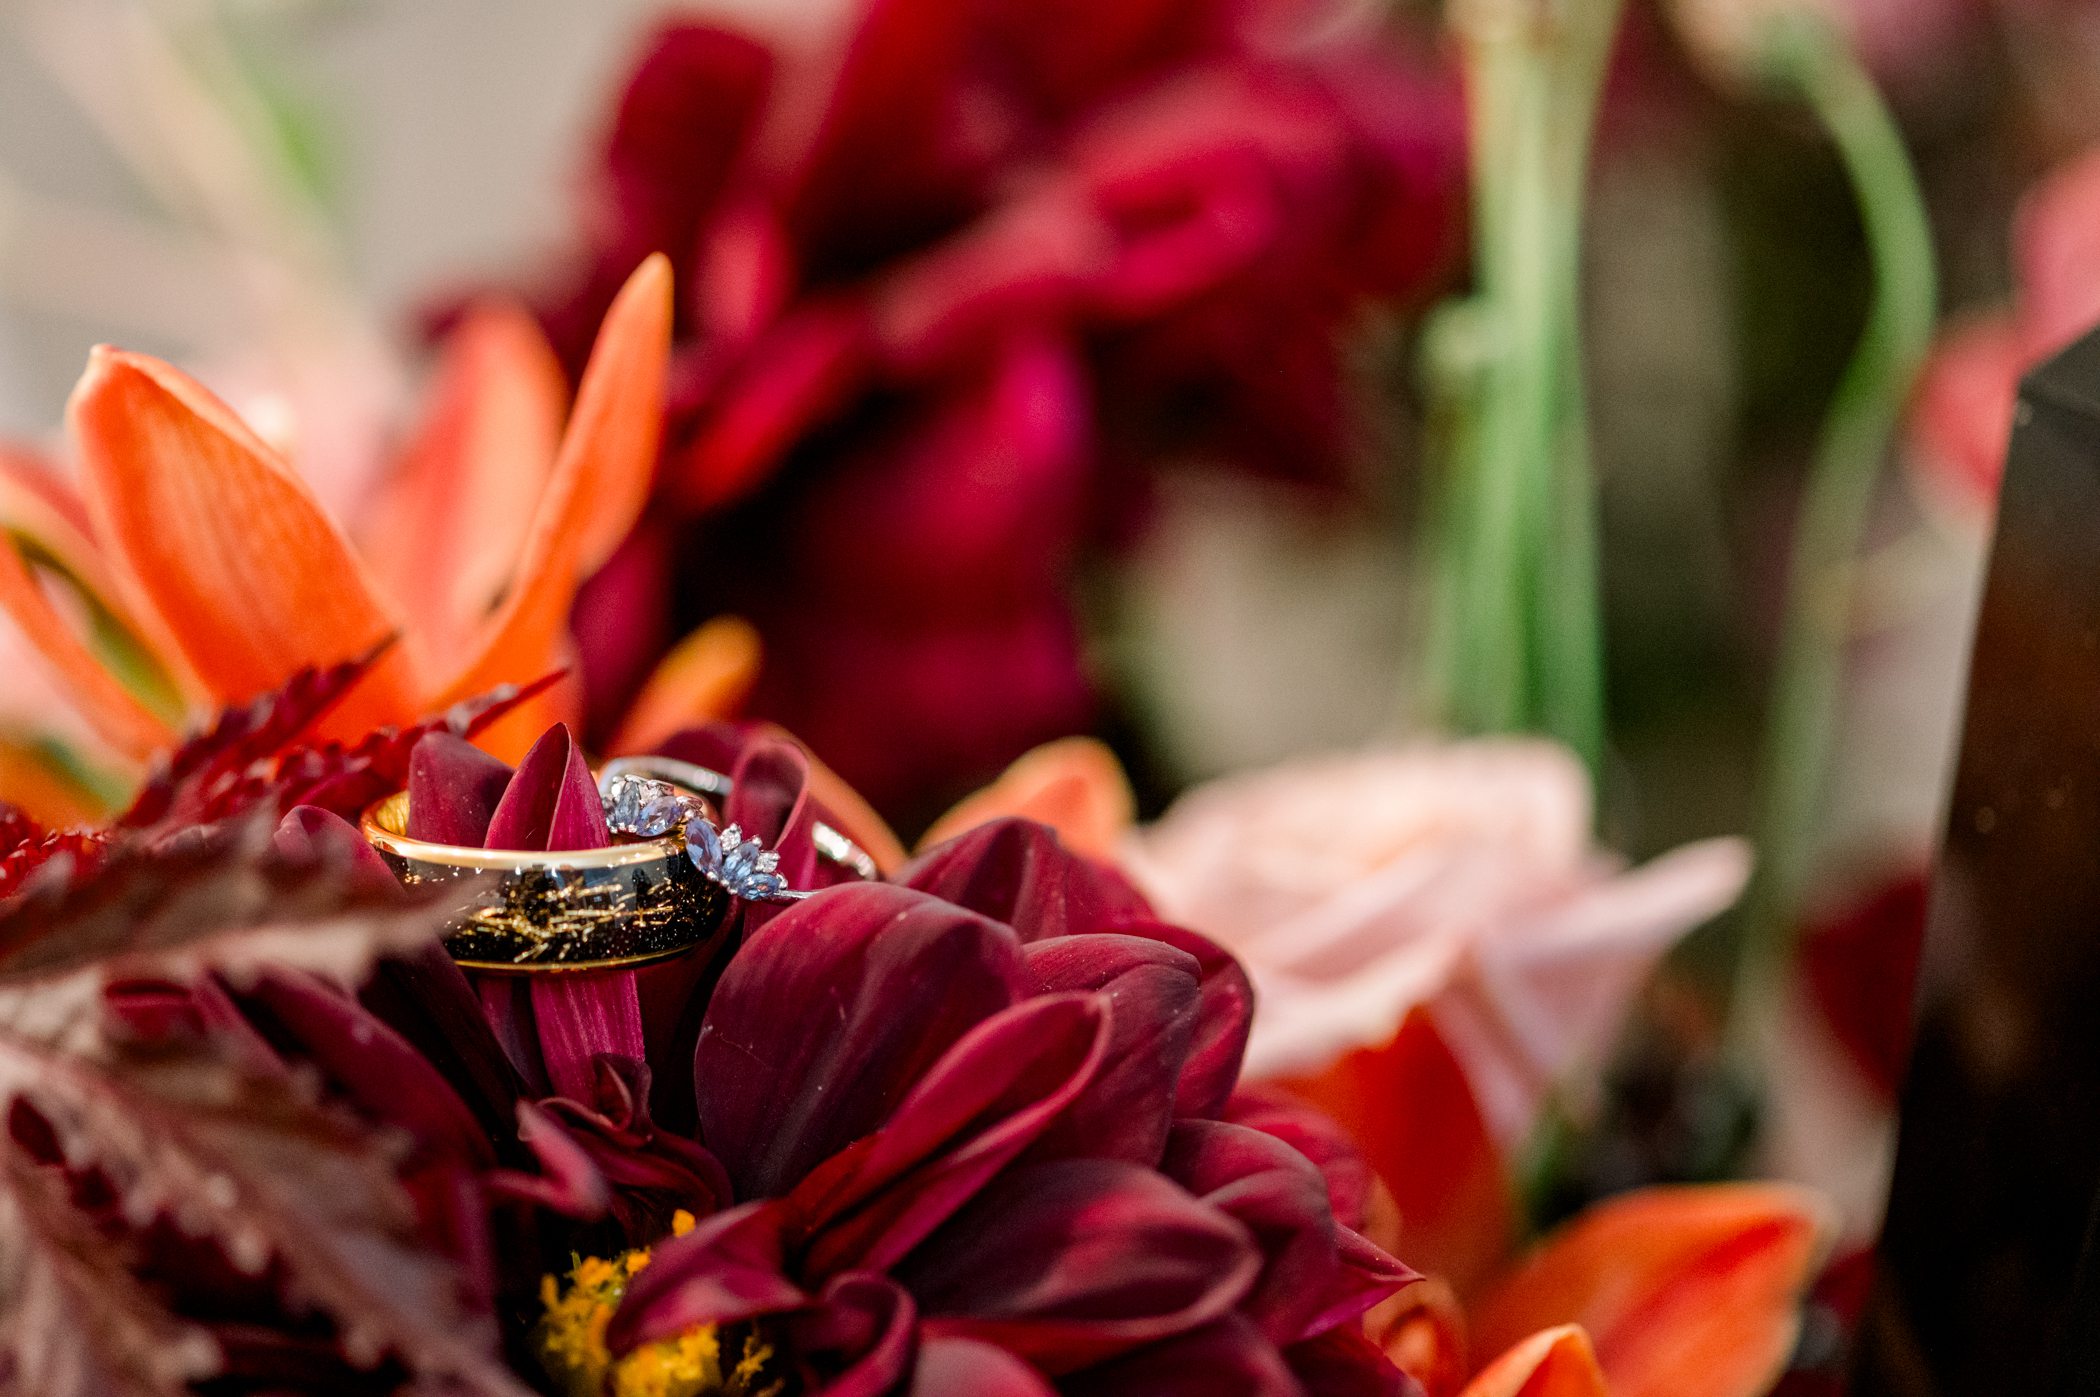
(185, 1128)
(17, 830)
(74, 1320)
(242, 736)
(274, 1179)
(83, 850)
(342, 778)
(223, 899)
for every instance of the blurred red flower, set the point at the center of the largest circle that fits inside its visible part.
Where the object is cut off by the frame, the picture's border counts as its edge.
(943, 281)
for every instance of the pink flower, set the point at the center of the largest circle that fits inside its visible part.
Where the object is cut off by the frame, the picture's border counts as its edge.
(1462, 878)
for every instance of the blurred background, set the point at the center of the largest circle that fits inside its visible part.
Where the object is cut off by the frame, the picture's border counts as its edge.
(1040, 414)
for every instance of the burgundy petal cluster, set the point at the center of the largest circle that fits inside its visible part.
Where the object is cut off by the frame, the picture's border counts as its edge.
(969, 1130)
(974, 1129)
(944, 280)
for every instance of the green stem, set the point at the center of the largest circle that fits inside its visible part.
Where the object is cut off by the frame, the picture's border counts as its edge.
(1814, 59)
(1517, 638)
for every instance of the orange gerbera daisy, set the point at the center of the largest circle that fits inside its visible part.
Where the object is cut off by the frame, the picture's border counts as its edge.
(195, 568)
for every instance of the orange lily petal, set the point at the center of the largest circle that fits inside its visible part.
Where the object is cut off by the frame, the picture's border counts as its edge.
(511, 736)
(228, 548)
(50, 520)
(600, 480)
(1688, 1292)
(1423, 1330)
(41, 789)
(115, 714)
(1075, 785)
(1554, 1363)
(1415, 1119)
(36, 501)
(707, 676)
(449, 526)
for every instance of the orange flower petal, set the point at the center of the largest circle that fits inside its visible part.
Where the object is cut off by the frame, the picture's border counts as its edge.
(1687, 1292)
(1414, 1117)
(1423, 1330)
(245, 571)
(1075, 785)
(600, 480)
(707, 676)
(37, 501)
(450, 524)
(511, 736)
(114, 713)
(41, 789)
(1554, 1363)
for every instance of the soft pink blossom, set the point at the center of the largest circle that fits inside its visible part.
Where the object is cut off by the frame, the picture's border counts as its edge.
(1460, 877)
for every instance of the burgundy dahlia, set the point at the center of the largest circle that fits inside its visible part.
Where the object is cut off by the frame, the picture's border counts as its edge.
(972, 1130)
(942, 282)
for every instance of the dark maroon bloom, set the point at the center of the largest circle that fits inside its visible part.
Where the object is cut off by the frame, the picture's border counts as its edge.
(942, 284)
(992, 1160)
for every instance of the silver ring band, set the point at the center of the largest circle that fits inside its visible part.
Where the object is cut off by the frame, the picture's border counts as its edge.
(714, 786)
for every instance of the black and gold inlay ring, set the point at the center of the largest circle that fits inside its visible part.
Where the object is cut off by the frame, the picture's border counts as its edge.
(566, 910)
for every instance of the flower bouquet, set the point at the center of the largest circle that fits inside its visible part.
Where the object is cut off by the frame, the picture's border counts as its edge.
(458, 942)
(690, 1081)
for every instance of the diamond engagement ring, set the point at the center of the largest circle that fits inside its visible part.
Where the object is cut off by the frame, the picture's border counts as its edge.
(652, 809)
(652, 796)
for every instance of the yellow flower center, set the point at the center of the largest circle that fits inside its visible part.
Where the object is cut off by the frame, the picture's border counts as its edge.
(571, 1341)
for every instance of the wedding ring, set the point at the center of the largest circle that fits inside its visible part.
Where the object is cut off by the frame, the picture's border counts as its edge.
(714, 787)
(562, 910)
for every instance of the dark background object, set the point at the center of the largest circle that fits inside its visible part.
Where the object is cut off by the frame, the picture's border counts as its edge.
(1988, 1280)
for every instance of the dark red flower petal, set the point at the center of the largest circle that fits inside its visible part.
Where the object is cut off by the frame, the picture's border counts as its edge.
(367, 1062)
(1316, 1136)
(569, 1181)
(728, 1268)
(1068, 56)
(1282, 1200)
(971, 1114)
(1228, 1355)
(860, 1333)
(1155, 1002)
(453, 790)
(684, 118)
(309, 834)
(1343, 1362)
(803, 370)
(427, 1000)
(1369, 1274)
(1017, 871)
(827, 1018)
(1020, 264)
(1073, 1261)
(653, 1172)
(968, 1368)
(877, 151)
(1222, 1026)
(551, 802)
(578, 1017)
